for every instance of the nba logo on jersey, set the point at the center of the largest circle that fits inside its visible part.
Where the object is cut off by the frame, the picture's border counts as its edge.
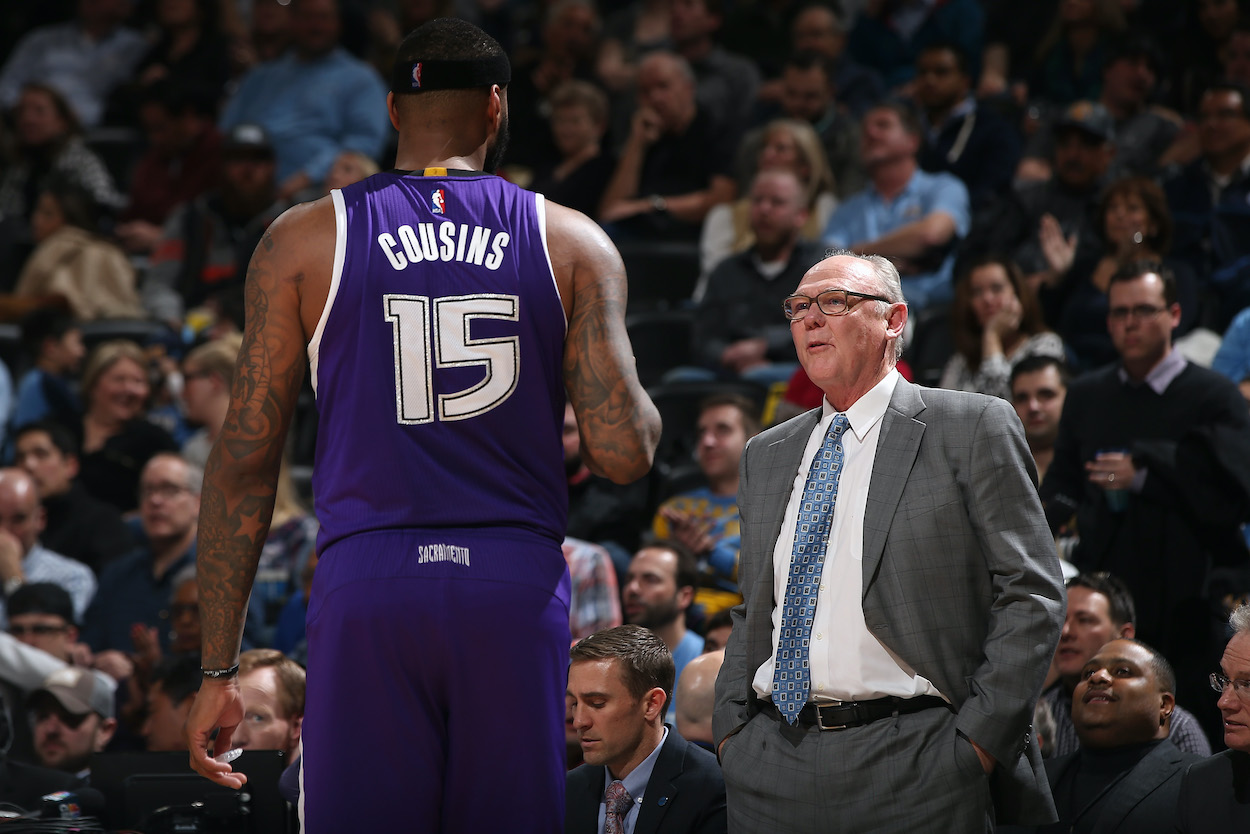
(416, 74)
(438, 201)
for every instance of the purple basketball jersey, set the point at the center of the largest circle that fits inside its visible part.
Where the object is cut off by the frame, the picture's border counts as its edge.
(437, 362)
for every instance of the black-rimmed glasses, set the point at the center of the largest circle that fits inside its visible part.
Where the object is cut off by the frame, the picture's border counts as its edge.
(831, 303)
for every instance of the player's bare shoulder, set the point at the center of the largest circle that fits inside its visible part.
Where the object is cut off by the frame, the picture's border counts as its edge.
(297, 253)
(579, 249)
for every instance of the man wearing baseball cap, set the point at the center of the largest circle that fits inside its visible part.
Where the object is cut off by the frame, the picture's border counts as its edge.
(73, 717)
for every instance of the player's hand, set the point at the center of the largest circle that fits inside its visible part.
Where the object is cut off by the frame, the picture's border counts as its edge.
(218, 704)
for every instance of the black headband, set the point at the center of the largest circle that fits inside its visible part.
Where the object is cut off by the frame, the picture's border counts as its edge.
(419, 76)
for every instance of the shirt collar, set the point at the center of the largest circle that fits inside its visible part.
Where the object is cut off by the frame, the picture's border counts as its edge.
(960, 110)
(1162, 374)
(868, 409)
(636, 781)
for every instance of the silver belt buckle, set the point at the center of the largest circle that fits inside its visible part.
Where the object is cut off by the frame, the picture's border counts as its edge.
(820, 719)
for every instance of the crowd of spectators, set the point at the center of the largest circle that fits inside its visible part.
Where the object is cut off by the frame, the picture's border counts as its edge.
(1017, 162)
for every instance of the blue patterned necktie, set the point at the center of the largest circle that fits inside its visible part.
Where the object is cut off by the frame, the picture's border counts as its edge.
(792, 679)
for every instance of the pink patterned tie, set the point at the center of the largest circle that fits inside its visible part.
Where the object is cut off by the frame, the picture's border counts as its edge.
(618, 805)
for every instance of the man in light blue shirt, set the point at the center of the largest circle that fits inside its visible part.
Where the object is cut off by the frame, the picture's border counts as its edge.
(640, 776)
(315, 101)
(84, 59)
(912, 217)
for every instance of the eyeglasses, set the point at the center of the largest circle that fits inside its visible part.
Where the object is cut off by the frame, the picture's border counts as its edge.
(831, 303)
(180, 609)
(1139, 312)
(38, 630)
(1241, 688)
(165, 491)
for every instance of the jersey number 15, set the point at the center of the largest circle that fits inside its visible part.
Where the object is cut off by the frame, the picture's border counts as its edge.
(415, 330)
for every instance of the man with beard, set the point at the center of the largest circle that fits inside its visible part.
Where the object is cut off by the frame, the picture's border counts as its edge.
(73, 717)
(445, 314)
(735, 325)
(202, 258)
(658, 591)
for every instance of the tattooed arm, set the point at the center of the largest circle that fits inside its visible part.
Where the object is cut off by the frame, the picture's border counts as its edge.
(619, 425)
(284, 281)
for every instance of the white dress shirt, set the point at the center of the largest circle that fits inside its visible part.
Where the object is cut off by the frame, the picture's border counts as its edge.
(847, 662)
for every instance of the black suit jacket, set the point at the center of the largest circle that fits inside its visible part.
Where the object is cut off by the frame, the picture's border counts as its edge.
(686, 793)
(1143, 802)
(1215, 794)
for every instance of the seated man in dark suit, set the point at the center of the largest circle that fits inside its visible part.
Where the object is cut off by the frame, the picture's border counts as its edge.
(1215, 793)
(1127, 774)
(639, 775)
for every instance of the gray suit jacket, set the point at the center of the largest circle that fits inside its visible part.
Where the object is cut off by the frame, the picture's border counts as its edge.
(960, 574)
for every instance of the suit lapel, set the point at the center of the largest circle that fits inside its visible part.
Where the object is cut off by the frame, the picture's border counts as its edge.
(661, 789)
(787, 455)
(586, 808)
(897, 447)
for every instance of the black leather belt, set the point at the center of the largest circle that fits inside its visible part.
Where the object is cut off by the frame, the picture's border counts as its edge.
(841, 716)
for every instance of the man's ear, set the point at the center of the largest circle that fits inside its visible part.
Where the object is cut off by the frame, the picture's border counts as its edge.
(104, 735)
(654, 702)
(392, 110)
(1167, 703)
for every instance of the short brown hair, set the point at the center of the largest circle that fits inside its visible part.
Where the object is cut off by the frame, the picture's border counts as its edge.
(290, 675)
(1155, 203)
(645, 661)
(746, 407)
(574, 93)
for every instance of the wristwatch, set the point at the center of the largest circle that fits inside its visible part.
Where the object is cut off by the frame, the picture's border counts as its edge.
(11, 585)
(658, 203)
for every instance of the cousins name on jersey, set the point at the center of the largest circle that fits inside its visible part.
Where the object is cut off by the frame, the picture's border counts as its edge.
(444, 241)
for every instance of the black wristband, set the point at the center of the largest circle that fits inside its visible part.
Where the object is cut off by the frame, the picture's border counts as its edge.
(221, 673)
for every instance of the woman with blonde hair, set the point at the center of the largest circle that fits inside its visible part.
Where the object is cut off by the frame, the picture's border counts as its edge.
(117, 440)
(785, 143)
(207, 378)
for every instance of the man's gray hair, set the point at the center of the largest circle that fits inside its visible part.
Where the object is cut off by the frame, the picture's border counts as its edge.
(889, 285)
(1240, 619)
(195, 474)
(672, 59)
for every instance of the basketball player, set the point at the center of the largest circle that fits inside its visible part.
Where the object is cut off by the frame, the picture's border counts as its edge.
(443, 313)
